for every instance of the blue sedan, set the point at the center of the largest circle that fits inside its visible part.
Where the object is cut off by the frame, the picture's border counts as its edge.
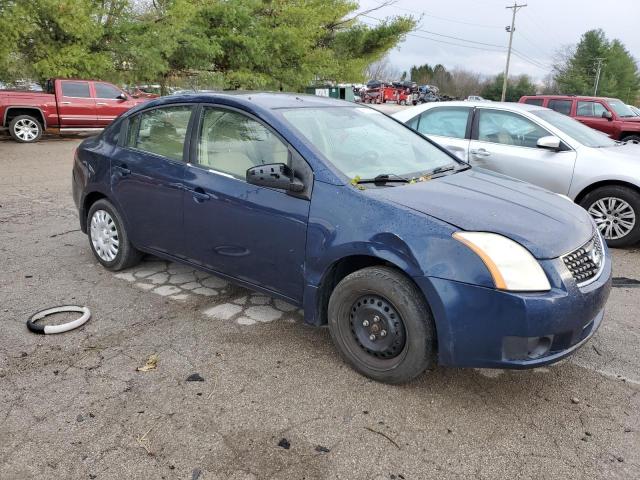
(412, 257)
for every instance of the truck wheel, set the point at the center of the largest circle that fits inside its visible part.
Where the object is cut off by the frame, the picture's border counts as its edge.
(108, 238)
(25, 129)
(632, 138)
(616, 211)
(381, 325)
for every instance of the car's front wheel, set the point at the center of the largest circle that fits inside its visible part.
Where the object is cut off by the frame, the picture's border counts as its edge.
(381, 325)
(108, 238)
(25, 129)
(632, 139)
(616, 211)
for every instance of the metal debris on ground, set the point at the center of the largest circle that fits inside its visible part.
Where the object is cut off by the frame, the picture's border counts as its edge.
(284, 443)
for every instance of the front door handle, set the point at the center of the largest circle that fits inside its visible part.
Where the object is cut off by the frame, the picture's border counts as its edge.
(122, 170)
(199, 195)
(102, 103)
(481, 152)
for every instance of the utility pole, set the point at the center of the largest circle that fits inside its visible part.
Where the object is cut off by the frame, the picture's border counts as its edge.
(599, 60)
(515, 7)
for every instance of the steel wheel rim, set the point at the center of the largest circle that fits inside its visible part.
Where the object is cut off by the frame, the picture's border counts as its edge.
(387, 351)
(104, 236)
(26, 129)
(614, 217)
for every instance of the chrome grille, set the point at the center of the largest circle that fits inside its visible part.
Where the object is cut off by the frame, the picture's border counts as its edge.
(586, 262)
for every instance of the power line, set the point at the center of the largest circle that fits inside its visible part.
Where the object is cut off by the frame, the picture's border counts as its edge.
(443, 35)
(445, 18)
(531, 60)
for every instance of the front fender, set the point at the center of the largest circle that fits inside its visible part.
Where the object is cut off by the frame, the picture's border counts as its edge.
(415, 243)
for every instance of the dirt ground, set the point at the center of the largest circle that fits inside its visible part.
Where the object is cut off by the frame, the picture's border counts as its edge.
(243, 390)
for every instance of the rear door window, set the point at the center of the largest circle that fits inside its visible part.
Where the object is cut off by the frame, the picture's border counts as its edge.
(76, 89)
(161, 131)
(560, 106)
(445, 122)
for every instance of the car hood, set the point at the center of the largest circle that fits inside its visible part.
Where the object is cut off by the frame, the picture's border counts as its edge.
(547, 224)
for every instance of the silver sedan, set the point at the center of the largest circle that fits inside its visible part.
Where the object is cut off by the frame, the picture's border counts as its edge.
(546, 148)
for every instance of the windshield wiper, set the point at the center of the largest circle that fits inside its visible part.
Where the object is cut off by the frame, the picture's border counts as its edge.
(437, 170)
(384, 178)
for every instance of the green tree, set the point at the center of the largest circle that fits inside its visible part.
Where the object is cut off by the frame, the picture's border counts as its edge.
(65, 38)
(576, 72)
(275, 44)
(516, 88)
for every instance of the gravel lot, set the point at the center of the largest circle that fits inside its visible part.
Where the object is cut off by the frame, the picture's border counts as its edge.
(275, 401)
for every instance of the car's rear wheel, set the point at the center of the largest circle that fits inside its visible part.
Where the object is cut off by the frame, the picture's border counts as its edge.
(25, 129)
(616, 211)
(381, 325)
(108, 238)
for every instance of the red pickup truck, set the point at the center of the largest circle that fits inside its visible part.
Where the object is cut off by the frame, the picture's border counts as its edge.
(65, 106)
(609, 115)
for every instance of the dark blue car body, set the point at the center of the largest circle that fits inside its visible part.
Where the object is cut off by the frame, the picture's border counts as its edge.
(297, 248)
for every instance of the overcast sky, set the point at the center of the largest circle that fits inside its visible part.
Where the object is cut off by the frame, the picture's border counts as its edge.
(542, 28)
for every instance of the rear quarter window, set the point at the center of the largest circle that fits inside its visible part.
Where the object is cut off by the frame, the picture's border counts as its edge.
(535, 101)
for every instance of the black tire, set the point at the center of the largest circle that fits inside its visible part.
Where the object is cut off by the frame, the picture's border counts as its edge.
(127, 255)
(407, 350)
(19, 131)
(632, 138)
(631, 197)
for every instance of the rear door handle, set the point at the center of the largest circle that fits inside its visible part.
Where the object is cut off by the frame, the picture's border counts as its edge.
(101, 103)
(65, 103)
(481, 152)
(122, 170)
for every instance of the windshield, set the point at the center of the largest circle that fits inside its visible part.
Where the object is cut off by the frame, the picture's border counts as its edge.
(362, 142)
(621, 108)
(576, 130)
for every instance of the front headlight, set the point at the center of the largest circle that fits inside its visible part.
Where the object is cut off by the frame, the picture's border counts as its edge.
(511, 265)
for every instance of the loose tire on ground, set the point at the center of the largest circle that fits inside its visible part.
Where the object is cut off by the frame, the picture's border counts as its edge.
(25, 129)
(108, 238)
(625, 213)
(409, 346)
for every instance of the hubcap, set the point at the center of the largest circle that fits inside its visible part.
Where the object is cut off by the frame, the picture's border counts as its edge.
(26, 129)
(614, 217)
(376, 327)
(104, 236)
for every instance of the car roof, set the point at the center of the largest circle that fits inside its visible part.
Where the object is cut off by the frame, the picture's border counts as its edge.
(268, 100)
(569, 97)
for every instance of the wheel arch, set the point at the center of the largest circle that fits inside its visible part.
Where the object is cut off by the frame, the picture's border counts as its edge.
(626, 134)
(88, 200)
(316, 299)
(605, 183)
(15, 111)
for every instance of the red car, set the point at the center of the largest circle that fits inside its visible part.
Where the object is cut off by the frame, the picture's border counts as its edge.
(65, 106)
(609, 115)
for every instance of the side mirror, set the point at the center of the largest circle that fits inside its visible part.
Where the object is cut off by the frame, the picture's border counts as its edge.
(122, 96)
(608, 115)
(274, 175)
(550, 143)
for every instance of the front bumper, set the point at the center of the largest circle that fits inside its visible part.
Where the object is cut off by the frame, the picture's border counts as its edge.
(484, 327)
